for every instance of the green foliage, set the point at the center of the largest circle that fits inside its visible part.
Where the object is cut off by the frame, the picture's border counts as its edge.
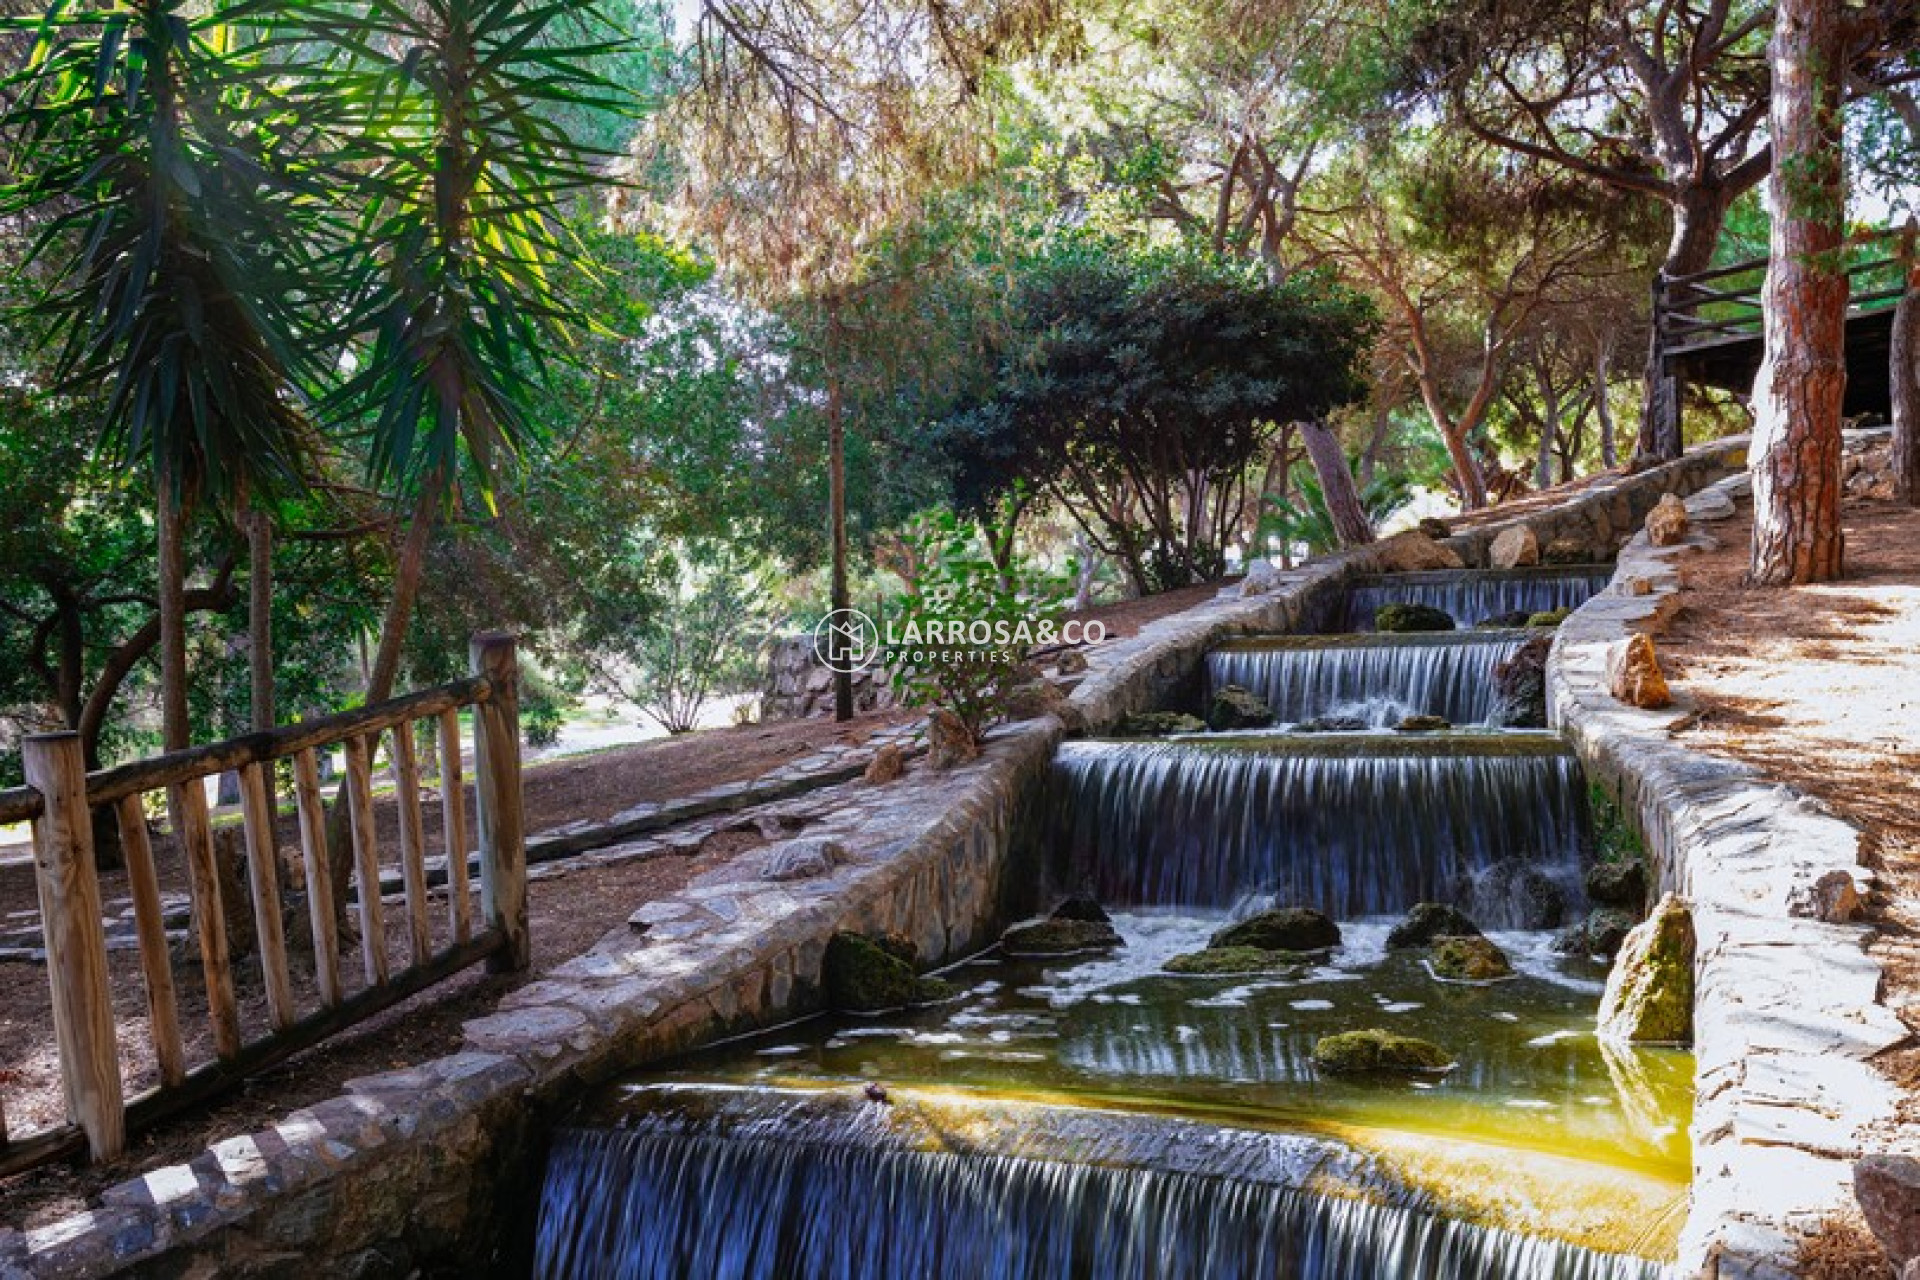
(1138, 388)
(955, 578)
(1303, 520)
(1616, 839)
(543, 709)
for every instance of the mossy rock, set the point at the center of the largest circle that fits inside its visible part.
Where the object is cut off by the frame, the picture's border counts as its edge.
(1058, 937)
(1602, 933)
(862, 976)
(1283, 929)
(1332, 724)
(1550, 618)
(1469, 960)
(1510, 621)
(1649, 995)
(1378, 1052)
(1618, 884)
(1423, 724)
(1427, 921)
(1225, 961)
(1235, 706)
(1081, 907)
(1403, 618)
(1158, 724)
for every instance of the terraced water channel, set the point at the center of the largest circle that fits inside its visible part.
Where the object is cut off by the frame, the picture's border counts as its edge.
(1093, 1115)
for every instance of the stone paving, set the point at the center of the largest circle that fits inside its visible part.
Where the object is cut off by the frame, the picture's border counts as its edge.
(1787, 1013)
(434, 1165)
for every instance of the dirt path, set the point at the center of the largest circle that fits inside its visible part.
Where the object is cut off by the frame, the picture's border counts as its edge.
(1820, 687)
(568, 913)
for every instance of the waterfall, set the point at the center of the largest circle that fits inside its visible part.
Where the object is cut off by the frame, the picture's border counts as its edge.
(1350, 824)
(1469, 596)
(778, 1198)
(1380, 679)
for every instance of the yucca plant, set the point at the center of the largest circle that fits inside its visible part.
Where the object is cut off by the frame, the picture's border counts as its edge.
(162, 177)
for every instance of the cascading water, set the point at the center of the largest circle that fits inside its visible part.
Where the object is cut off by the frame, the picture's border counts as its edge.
(790, 1197)
(1358, 824)
(1470, 597)
(1378, 679)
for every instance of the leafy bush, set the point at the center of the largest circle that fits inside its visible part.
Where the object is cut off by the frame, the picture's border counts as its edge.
(957, 579)
(543, 710)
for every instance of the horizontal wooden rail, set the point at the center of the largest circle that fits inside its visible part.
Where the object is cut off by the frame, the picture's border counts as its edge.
(62, 798)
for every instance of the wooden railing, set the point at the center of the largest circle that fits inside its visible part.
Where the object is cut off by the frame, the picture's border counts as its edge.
(61, 796)
(1695, 311)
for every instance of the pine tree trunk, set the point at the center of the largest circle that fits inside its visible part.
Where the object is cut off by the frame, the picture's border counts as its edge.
(1466, 470)
(841, 598)
(1905, 374)
(1349, 514)
(1699, 212)
(1798, 395)
(1601, 357)
(260, 618)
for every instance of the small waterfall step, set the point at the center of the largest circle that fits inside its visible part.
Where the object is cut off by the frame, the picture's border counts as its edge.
(1352, 824)
(1470, 596)
(765, 1183)
(1380, 679)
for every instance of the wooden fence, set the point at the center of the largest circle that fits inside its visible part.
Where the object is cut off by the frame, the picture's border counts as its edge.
(1696, 311)
(61, 796)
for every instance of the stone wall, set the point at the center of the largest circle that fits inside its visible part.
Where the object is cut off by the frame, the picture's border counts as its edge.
(1787, 1015)
(799, 685)
(437, 1166)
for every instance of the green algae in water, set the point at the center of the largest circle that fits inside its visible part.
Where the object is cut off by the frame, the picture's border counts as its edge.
(1116, 1031)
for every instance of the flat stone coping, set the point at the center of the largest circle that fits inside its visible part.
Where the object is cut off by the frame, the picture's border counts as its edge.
(1787, 1013)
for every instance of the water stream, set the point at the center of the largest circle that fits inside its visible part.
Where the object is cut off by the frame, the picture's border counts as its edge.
(1378, 679)
(1471, 597)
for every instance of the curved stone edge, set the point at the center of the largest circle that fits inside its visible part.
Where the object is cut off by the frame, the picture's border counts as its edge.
(1786, 1014)
(408, 1163)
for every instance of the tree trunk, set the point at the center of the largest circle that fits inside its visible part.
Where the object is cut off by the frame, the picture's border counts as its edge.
(1602, 358)
(1549, 427)
(1699, 212)
(1466, 468)
(1797, 396)
(174, 731)
(1349, 514)
(840, 597)
(1905, 375)
(260, 617)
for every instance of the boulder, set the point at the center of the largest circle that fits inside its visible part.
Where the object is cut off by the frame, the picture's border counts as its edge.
(888, 763)
(1227, 961)
(862, 976)
(1032, 699)
(1404, 618)
(803, 859)
(1515, 890)
(1503, 621)
(1520, 686)
(1331, 724)
(1548, 618)
(1058, 937)
(1378, 1052)
(1567, 549)
(1071, 662)
(1833, 898)
(1635, 585)
(1667, 523)
(1262, 578)
(1600, 934)
(1633, 673)
(1237, 707)
(1283, 929)
(1081, 907)
(1423, 724)
(1888, 1189)
(1649, 995)
(1427, 921)
(1155, 724)
(1470, 959)
(949, 743)
(1618, 884)
(1434, 527)
(1415, 552)
(1515, 548)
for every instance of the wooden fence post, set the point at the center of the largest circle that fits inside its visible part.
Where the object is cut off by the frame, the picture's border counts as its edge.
(76, 941)
(503, 845)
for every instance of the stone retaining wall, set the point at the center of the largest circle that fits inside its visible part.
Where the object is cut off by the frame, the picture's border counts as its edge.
(1786, 1010)
(798, 685)
(436, 1166)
